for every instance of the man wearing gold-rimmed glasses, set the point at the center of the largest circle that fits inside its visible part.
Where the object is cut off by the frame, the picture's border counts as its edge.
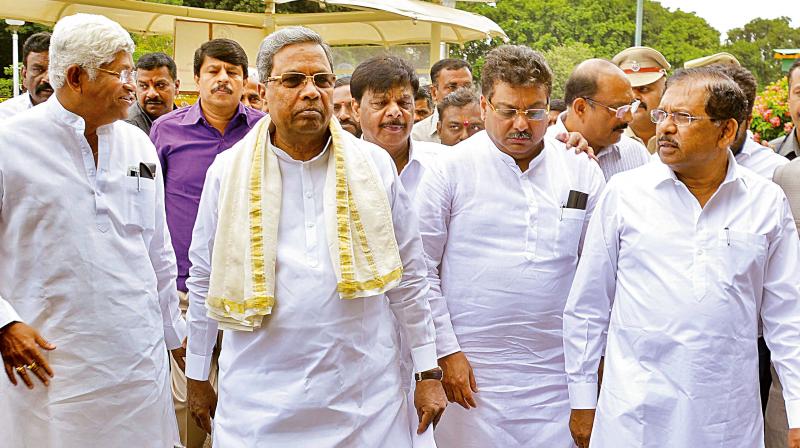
(302, 251)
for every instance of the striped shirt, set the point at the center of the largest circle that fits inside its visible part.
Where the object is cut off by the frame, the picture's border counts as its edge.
(624, 155)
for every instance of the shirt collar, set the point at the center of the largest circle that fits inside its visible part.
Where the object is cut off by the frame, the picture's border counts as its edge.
(195, 114)
(434, 119)
(664, 173)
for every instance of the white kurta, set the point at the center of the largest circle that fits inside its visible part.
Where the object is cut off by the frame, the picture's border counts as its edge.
(502, 252)
(686, 287)
(88, 262)
(321, 371)
(761, 159)
(13, 106)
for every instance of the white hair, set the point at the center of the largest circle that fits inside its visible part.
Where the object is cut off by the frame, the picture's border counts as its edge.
(87, 40)
(282, 38)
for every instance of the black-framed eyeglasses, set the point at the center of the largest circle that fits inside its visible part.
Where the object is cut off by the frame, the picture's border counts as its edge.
(528, 114)
(293, 80)
(681, 119)
(126, 76)
(620, 111)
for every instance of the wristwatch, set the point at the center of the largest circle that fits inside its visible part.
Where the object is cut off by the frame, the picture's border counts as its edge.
(433, 374)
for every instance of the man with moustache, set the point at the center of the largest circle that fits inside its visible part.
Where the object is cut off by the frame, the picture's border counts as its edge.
(88, 306)
(35, 54)
(343, 106)
(459, 116)
(646, 69)
(600, 104)
(303, 252)
(157, 85)
(502, 216)
(447, 75)
(690, 253)
(188, 140)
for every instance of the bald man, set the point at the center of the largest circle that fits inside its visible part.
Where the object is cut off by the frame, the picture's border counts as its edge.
(600, 105)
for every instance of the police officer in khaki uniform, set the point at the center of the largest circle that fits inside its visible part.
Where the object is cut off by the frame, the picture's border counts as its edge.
(646, 69)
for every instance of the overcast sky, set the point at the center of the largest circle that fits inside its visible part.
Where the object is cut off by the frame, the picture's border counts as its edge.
(727, 14)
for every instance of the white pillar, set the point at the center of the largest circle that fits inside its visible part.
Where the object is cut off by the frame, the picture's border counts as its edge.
(15, 59)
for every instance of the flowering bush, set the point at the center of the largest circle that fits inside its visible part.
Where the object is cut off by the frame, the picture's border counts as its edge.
(771, 117)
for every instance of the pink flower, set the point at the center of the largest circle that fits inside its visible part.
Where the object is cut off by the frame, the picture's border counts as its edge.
(775, 121)
(767, 114)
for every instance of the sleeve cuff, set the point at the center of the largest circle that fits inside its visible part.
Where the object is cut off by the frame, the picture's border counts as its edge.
(793, 413)
(197, 366)
(582, 395)
(175, 334)
(7, 314)
(446, 343)
(424, 357)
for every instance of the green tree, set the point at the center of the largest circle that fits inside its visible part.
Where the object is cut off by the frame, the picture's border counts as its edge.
(562, 60)
(152, 43)
(753, 46)
(606, 27)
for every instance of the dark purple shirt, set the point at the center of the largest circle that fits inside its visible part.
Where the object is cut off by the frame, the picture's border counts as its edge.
(187, 144)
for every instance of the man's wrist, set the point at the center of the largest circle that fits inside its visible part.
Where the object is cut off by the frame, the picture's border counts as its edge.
(432, 374)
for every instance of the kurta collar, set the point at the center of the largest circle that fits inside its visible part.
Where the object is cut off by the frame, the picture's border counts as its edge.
(508, 160)
(283, 155)
(64, 116)
(72, 119)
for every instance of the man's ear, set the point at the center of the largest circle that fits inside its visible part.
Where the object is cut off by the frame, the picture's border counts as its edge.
(579, 106)
(356, 107)
(439, 126)
(177, 86)
(73, 78)
(728, 130)
(262, 90)
(484, 108)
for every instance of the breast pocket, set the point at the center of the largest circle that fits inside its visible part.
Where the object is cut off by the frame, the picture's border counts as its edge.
(568, 231)
(141, 202)
(739, 257)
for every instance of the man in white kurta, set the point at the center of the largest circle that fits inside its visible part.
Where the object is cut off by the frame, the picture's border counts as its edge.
(320, 371)
(88, 263)
(687, 273)
(502, 251)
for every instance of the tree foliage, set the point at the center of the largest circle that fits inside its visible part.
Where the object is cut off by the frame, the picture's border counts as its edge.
(562, 59)
(605, 27)
(753, 45)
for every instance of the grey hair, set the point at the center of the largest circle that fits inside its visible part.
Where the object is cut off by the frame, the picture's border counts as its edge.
(282, 38)
(87, 40)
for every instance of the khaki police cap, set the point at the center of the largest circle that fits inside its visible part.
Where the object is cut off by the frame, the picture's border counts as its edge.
(643, 65)
(718, 58)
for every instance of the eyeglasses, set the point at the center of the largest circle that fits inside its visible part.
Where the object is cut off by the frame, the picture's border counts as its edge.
(126, 76)
(528, 114)
(681, 119)
(620, 111)
(293, 80)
